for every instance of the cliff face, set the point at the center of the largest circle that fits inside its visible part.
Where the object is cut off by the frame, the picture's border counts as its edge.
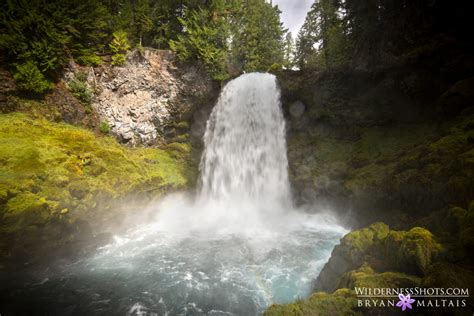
(145, 100)
(392, 144)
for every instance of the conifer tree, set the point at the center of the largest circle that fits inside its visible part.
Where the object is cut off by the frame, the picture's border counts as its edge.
(258, 43)
(321, 41)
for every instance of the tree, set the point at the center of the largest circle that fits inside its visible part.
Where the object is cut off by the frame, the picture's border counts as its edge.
(47, 34)
(205, 38)
(257, 43)
(321, 41)
(29, 78)
(289, 51)
(119, 46)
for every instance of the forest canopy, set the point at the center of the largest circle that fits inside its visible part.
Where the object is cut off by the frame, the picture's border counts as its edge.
(38, 37)
(228, 37)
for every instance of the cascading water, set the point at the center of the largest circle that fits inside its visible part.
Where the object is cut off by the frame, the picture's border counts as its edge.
(236, 248)
(245, 148)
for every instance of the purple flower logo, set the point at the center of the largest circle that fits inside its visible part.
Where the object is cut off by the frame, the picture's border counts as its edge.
(405, 301)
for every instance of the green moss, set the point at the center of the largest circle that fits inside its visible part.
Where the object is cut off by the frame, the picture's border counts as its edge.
(182, 125)
(25, 202)
(413, 250)
(48, 166)
(35, 107)
(341, 302)
(367, 277)
(104, 127)
(179, 149)
(451, 144)
(183, 138)
(315, 157)
(386, 143)
(362, 239)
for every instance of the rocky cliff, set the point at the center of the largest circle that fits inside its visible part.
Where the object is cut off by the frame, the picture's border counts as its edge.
(149, 98)
(392, 144)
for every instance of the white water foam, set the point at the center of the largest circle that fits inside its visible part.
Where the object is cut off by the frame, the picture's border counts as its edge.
(239, 245)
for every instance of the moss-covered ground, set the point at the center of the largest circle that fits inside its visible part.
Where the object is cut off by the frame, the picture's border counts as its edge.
(55, 171)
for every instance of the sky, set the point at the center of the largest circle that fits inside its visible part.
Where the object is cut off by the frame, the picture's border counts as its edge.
(293, 13)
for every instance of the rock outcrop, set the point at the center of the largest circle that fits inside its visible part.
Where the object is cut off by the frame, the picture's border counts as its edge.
(391, 145)
(378, 257)
(144, 100)
(377, 248)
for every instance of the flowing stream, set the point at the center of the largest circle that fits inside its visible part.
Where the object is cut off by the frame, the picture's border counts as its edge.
(235, 248)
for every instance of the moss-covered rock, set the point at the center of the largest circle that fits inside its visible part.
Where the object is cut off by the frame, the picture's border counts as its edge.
(341, 302)
(47, 167)
(410, 251)
(365, 276)
(393, 173)
(381, 249)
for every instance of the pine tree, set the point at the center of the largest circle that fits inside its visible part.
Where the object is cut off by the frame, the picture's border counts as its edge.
(258, 42)
(289, 51)
(205, 37)
(321, 41)
(119, 47)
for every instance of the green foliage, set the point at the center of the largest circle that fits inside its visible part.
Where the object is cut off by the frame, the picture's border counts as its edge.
(289, 45)
(80, 89)
(118, 59)
(119, 44)
(142, 20)
(204, 38)
(321, 41)
(258, 39)
(47, 33)
(89, 59)
(119, 47)
(29, 78)
(341, 302)
(229, 37)
(104, 127)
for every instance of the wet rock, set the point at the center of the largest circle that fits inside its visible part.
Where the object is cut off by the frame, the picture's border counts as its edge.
(381, 249)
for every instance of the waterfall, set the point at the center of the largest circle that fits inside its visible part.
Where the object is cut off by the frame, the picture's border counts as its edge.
(236, 247)
(245, 150)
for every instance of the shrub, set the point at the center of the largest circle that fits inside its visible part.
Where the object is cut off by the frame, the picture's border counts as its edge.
(118, 59)
(104, 127)
(30, 78)
(89, 60)
(80, 89)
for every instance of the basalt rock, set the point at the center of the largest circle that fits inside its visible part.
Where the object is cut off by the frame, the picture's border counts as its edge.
(145, 99)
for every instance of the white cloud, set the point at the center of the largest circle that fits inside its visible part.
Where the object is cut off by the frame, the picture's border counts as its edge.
(293, 13)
